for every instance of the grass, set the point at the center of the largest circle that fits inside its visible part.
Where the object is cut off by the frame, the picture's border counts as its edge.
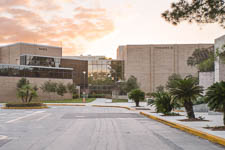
(119, 100)
(78, 100)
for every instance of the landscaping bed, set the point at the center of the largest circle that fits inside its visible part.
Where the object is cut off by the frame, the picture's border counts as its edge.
(24, 106)
(119, 100)
(78, 100)
(193, 119)
(217, 128)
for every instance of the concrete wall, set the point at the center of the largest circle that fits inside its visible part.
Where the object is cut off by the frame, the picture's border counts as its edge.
(206, 79)
(10, 54)
(219, 66)
(8, 89)
(153, 64)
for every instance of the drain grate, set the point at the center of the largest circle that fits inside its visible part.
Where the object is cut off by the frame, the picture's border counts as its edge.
(100, 115)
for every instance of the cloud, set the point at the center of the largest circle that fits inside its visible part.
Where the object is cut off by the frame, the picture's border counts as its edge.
(32, 24)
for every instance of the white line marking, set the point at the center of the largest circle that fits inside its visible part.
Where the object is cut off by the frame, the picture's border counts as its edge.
(2, 137)
(19, 118)
(43, 117)
(80, 116)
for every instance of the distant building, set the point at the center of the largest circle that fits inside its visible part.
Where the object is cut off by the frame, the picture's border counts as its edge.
(38, 63)
(101, 71)
(153, 64)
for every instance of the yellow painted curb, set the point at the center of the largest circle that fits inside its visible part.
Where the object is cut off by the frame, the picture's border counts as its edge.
(201, 134)
(43, 107)
(113, 106)
(65, 105)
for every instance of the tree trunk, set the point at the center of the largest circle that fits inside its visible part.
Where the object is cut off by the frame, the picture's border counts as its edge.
(224, 114)
(30, 99)
(137, 103)
(188, 105)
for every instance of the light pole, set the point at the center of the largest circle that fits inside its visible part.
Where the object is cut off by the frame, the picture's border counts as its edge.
(84, 94)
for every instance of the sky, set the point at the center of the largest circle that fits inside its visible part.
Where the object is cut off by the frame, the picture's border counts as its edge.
(96, 27)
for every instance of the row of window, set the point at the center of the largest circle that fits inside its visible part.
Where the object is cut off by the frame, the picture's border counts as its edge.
(38, 72)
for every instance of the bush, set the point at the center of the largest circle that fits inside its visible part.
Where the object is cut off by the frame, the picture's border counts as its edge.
(162, 102)
(24, 105)
(61, 89)
(137, 95)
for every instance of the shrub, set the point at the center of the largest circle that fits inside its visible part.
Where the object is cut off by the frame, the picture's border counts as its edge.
(215, 97)
(137, 95)
(24, 105)
(163, 102)
(61, 89)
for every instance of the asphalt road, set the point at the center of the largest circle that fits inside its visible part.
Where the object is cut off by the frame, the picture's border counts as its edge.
(91, 128)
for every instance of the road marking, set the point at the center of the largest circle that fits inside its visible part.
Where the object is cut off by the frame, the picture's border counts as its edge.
(80, 116)
(2, 137)
(43, 117)
(19, 118)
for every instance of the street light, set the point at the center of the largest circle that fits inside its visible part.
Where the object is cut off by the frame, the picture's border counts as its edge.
(84, 72)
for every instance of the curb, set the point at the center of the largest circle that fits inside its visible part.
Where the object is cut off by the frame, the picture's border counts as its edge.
(44, 107)
(201, 134)
(65, 104)
(128, 108)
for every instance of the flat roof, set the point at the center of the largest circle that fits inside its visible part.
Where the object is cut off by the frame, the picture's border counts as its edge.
(32, 44)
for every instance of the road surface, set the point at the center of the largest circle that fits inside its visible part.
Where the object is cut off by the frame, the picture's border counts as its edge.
(91, 128)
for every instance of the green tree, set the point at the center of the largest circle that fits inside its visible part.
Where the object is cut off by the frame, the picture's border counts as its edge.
(203, 59)
(215, 97)
(172, 80)
(71, 88)
(200, 11)
(137, 95)
(131, 84)
(185, 92)
(49, 87)
(61, 89)
(25, 91)
(163, 102)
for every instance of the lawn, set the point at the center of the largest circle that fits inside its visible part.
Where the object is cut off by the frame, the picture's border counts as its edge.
(79, 100)
(119, 100)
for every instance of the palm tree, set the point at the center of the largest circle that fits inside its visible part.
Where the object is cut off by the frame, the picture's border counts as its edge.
(215, 96)
(137, 95)
(185, 91)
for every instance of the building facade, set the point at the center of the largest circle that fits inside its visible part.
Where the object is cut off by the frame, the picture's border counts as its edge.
(102, 73)
(37, 63)
(153, 64)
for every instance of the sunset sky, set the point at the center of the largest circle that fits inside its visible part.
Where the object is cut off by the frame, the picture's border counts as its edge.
(96, 27)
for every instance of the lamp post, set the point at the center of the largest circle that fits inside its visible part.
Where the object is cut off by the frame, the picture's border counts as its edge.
(84, 94)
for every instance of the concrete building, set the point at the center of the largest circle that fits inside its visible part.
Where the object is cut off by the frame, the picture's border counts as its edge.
(10, 54)
(219, 65)
(153, 64)
(38, 63)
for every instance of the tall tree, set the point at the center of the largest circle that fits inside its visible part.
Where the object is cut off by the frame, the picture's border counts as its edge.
(200, 11)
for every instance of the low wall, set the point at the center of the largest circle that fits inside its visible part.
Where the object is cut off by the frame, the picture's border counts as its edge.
(206, 79)
(8, 89)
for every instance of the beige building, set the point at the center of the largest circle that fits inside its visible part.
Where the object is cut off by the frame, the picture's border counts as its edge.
(153, 64)
(10, 54)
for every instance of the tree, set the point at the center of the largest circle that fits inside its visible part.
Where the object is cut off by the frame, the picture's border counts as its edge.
(61, 89)
(215, 97)
(137, 95)
(172, 79)
(25, 91)
(186, 91)
(131, 84)
(203, 59)
(163, 102)
(71, 87)
(200, 11)
(49, 87)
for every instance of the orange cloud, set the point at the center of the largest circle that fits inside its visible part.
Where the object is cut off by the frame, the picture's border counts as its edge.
(73, 32)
